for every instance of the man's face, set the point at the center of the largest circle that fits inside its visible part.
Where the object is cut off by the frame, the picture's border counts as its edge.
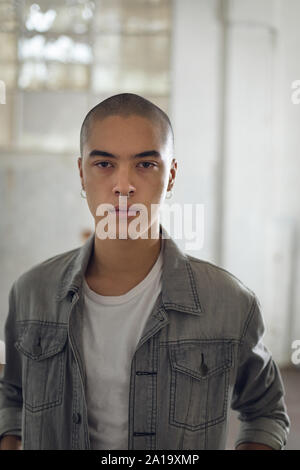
(104, 178)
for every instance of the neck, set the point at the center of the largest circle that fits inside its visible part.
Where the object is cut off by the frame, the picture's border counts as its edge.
(120, 259)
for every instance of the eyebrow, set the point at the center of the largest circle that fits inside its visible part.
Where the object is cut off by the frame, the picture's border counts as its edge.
(102, 153)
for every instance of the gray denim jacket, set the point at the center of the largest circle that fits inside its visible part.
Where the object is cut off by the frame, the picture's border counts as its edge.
(200, 354)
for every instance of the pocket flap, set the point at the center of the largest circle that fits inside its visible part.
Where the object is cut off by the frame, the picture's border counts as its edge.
(39, 341)
(201, 359)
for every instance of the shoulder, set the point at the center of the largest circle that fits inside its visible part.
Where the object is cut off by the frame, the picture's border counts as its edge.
(219, 290)
(45, 275)
(218, 275)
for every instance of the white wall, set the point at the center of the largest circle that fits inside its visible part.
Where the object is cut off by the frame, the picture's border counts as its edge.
(195, 111)
(289, 164)
(237, 63)
(260, 210)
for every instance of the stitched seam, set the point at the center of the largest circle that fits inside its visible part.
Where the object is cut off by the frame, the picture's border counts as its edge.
(249, 318)
(191, 277)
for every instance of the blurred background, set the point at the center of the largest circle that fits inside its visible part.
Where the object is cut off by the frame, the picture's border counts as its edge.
(224, 71)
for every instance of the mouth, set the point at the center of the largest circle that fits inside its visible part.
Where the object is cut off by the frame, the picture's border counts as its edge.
(129, 212)
(117, 208)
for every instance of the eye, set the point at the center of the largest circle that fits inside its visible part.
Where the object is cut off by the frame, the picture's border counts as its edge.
(148, 163)
(100, 163)
(143, 163)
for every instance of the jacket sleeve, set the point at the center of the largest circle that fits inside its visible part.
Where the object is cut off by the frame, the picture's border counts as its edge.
(258, 393)
(11, 400)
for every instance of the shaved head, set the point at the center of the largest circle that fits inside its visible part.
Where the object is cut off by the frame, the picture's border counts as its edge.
(126, 104)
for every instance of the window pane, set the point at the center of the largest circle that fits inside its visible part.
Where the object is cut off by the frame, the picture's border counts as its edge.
(7, 16)
(8, 48)
(145, 82)
(8, 72)
(132, 16)
(62, 49)
(148, 52)
(114, 79)
(105, 78)
(108, 16)
(143, 17)
(127, 61)
(53, 76)
(58, 16)
(107, 49)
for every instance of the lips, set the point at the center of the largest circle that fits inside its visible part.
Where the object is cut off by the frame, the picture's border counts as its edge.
(129, 211)
(122, 210)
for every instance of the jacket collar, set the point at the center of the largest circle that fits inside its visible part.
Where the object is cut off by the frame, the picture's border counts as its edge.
(179, 290)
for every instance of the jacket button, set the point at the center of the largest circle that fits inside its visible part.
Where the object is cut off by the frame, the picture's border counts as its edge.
(76, 418)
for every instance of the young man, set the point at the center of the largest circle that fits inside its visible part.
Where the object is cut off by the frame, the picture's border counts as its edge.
(127, 342)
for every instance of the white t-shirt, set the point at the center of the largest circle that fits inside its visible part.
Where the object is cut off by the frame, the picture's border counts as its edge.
(112, 328)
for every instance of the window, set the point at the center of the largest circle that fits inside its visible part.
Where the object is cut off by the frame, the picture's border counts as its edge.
(59, 58)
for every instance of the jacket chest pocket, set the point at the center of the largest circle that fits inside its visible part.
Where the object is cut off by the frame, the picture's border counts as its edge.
(42, 347)
(199, 383)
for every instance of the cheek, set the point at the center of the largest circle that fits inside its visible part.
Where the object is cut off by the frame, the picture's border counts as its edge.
(92, 204)
(158, 182)
(95, 197)
(91, 175)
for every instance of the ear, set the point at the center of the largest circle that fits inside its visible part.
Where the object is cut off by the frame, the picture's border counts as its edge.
(79, 163)
(173, 170)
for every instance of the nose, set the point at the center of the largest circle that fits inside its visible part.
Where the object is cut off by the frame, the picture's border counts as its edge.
(124, 193)
(123, 186)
